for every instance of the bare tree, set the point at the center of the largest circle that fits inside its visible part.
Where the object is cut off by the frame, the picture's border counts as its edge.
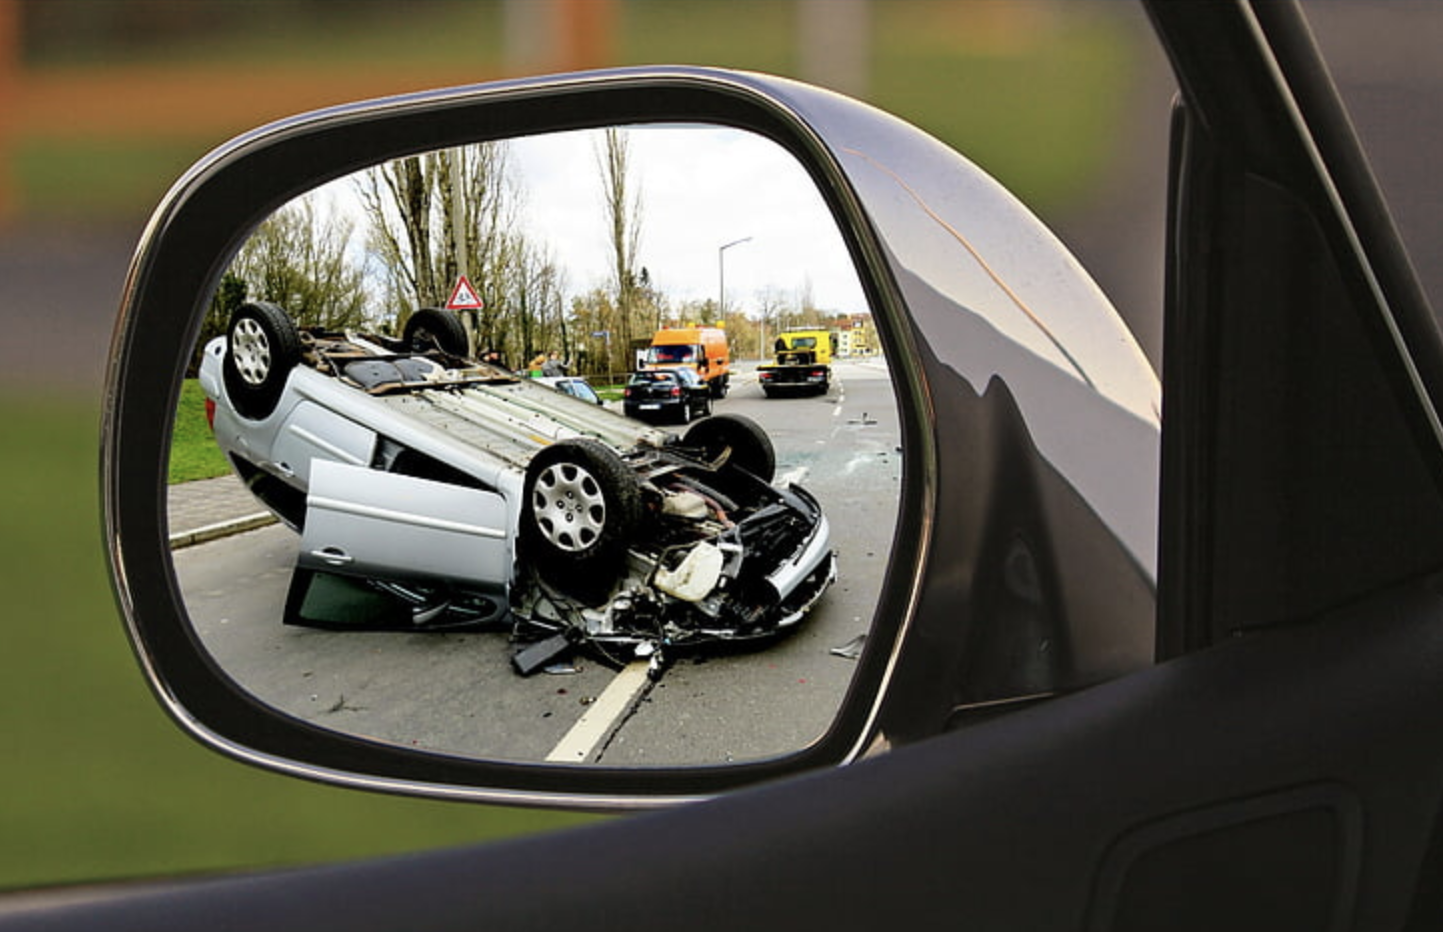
(300, 259)
(540, 302)
(437, 215)
(771, 311)
(397, 197)
(621, 207)
(805, 313)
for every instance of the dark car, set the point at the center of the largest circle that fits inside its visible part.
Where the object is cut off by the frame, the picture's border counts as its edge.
(675, 395)
(1276, 535)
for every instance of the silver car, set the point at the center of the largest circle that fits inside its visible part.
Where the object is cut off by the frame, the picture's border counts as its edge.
(432, 491)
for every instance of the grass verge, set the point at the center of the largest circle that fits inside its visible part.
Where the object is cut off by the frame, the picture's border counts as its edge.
(193, 451)
(96, 783)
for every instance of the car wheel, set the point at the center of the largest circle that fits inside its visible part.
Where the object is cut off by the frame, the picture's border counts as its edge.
(581, 508)
(751, 448)
(431, 328)
(706, 407)
(685, 416)
(262, 346)
(719, 387)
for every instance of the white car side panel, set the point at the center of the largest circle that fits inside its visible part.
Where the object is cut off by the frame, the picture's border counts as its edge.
(364, 522)
(314, 434)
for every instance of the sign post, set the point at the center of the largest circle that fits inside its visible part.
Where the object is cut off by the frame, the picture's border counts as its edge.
(464, 297)
(466, 302)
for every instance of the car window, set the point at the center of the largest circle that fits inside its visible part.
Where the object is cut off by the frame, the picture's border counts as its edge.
(583, 391)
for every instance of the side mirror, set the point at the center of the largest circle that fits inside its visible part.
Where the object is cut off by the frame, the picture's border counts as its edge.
(982, 530)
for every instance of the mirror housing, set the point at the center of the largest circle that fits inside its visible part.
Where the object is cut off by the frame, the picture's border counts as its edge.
(1025, 558)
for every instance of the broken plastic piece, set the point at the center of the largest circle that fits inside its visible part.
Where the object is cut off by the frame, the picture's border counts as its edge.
(850, 650)
(533, 657)
(695, 577)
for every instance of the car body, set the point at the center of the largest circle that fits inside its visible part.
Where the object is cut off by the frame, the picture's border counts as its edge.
(677, 394)
(472, 496)
(1275, 768)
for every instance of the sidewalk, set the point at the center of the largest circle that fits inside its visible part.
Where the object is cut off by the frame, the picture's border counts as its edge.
(212, 508)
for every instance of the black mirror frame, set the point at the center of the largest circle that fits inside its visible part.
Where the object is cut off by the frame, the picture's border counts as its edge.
(190, 241)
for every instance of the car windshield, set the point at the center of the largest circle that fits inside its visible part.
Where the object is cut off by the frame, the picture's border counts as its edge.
(670, 354)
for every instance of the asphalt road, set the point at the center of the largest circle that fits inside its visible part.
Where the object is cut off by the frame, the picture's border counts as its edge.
(458, 693)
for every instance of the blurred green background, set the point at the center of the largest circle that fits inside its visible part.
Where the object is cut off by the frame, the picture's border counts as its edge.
(103, 104)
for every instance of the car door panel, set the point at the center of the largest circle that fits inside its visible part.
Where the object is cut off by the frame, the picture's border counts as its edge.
(312, 432)
(366, 522)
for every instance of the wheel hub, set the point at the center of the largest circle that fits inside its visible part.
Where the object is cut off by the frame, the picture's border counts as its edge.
(569, 506)
(251, 350)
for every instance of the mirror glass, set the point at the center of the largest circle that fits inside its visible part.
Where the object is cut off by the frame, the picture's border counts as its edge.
(576, 448)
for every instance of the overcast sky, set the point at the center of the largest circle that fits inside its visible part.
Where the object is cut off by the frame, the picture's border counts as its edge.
(700, 188)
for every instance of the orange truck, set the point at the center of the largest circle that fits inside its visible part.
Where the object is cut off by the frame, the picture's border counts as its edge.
(703, 349)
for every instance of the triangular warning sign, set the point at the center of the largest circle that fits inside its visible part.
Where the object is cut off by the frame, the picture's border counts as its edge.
(464, 297)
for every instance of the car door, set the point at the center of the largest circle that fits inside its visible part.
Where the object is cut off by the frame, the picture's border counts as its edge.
(1279, 768)
(375, 526)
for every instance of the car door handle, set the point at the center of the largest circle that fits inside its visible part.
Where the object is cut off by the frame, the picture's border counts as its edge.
(335, 556)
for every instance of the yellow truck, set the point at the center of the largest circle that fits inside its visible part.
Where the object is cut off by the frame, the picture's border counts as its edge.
(803, 363)
(703, 349)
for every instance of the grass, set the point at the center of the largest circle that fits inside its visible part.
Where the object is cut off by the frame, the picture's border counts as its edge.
(242, 33)
(89, 179)
(193, 451)
(1037, 103)
(1042, 114)
(97, 783)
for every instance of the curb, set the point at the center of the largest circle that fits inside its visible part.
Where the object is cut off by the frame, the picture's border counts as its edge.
(221, 529)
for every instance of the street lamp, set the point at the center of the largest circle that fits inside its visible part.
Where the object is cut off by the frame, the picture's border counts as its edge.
(721, 274)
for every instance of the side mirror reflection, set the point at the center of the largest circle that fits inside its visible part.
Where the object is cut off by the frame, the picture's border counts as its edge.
(576, 448)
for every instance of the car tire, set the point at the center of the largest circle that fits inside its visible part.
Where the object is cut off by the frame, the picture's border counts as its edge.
(751, 448)
(685, 416)
(262, 346)
(719, 387)
(432, 328)
(581, 507)
(706, 407)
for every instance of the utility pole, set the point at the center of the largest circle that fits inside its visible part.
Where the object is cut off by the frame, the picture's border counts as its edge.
(721, 274)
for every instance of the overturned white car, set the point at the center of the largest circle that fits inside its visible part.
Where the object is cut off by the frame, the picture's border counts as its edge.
(432, 491)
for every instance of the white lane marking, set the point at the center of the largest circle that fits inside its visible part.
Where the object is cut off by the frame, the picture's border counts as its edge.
(602, 717)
